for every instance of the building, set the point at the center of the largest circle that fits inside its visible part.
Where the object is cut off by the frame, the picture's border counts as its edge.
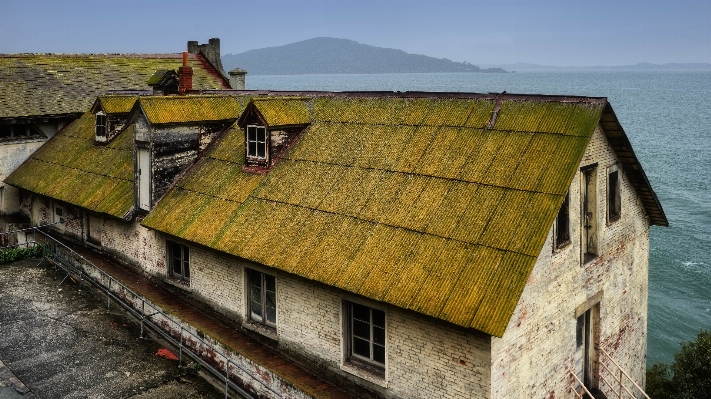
(42, 93)
(402, 245)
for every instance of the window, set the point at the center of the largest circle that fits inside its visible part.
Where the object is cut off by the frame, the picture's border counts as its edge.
(178, 261)
(58, 214)
(589, 212)
(366, 334)
(257, 142)
(613, 196)
(262, 297)
(561, 236)
(100, 126)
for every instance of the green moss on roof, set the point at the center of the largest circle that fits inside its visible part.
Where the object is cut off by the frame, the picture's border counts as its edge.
(117, 104)
(413, 202)
(283, 111)
(70, 168)
(191, 109)
(41, 84)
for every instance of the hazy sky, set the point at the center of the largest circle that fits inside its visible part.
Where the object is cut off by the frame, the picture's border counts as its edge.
(565, 32)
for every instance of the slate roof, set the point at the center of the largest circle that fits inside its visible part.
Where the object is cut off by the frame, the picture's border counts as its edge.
(58, 84)
(414, 202)
(280, 111)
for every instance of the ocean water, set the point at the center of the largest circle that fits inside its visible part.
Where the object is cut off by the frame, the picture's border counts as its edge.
(667, 116)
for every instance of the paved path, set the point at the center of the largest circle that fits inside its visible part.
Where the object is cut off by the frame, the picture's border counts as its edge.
(59, 342)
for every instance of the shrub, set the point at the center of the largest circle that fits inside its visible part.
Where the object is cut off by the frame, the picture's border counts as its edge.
(13, 254)
(688, 376)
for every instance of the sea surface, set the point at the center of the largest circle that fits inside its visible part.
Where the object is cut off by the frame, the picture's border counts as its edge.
(667, 116)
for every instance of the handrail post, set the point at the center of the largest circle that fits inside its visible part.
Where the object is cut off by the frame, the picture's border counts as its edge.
(108, 296)
(227, 375)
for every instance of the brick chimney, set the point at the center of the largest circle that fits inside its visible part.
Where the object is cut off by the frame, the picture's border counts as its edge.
(185, 76)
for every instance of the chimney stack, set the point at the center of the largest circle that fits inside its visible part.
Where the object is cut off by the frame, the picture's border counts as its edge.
(237, 78)
(185, 76)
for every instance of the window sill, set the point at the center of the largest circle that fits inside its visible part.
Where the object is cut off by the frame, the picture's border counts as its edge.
(588, 257)
(366, 372)
(561, 246)
(611, 221)
(267, 331)
(179, 283)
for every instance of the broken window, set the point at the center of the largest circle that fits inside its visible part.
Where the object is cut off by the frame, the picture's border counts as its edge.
(561, 236)
(366, 334)
(262, 297)
(257, 142)
(100, 126)
(178, 261)
(613, 196)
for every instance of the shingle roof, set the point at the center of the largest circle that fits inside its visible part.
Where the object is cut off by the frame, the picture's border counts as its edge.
(413, 202)
(56, 84)
(70, 168)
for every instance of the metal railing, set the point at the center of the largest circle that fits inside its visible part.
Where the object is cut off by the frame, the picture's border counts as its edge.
(74, 264)
(583, 391)
(618, 386)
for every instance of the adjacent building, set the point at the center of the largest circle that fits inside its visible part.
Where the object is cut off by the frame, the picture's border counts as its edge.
(402, 245)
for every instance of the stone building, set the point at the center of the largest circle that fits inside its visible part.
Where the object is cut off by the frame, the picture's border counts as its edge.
(401, 245)
(42, 93)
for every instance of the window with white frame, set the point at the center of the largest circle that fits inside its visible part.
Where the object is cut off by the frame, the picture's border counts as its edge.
(262, 297)
(365, 334)
(178, 261)
(257, 142)
(100, 126)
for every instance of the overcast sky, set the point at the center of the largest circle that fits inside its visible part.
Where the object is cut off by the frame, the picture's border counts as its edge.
(552, 32)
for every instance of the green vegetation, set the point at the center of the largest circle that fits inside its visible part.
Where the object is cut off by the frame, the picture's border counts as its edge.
(688, 376)
(13, 254)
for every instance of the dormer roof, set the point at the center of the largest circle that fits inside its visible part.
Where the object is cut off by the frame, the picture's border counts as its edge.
(162, 110)
(277, 112)
(114, 104)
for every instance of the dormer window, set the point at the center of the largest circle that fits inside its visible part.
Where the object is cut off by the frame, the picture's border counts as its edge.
(101, 127)
(257, 143)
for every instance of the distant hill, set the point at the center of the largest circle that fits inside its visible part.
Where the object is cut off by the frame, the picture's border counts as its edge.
(325, 55)
(642, 66)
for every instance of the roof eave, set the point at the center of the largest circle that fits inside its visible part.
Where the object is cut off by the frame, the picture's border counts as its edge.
(620, 143)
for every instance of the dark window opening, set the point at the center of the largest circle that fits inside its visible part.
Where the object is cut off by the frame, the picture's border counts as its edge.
(101, 124)
(262, 297)
(613, 197)
(178, 261)
(562, 224)
(366, 334)
(257, 142)
(579, 329)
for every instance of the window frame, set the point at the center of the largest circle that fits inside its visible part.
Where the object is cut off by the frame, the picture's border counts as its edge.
(368, 362)
(614, 195)
(265, 144)
(562, 240)
(101, 126)
(251, 275)
(184, 259)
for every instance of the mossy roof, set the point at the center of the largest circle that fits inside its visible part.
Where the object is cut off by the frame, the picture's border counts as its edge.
(56, 84)
(71, 168)
(413, 202)
(190, 109)
(281, 111)
(116, 104)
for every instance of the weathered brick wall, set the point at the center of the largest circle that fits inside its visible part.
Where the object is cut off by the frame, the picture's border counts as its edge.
(218, 280)
(536, 354)
(134, 244)
(11, 156)
(426, 358)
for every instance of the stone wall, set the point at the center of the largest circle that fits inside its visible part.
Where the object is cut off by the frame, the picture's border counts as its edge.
(12, 154)
(536, 354)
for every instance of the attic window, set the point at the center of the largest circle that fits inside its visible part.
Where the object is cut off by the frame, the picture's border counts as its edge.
(100, 126)
(256, 143)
